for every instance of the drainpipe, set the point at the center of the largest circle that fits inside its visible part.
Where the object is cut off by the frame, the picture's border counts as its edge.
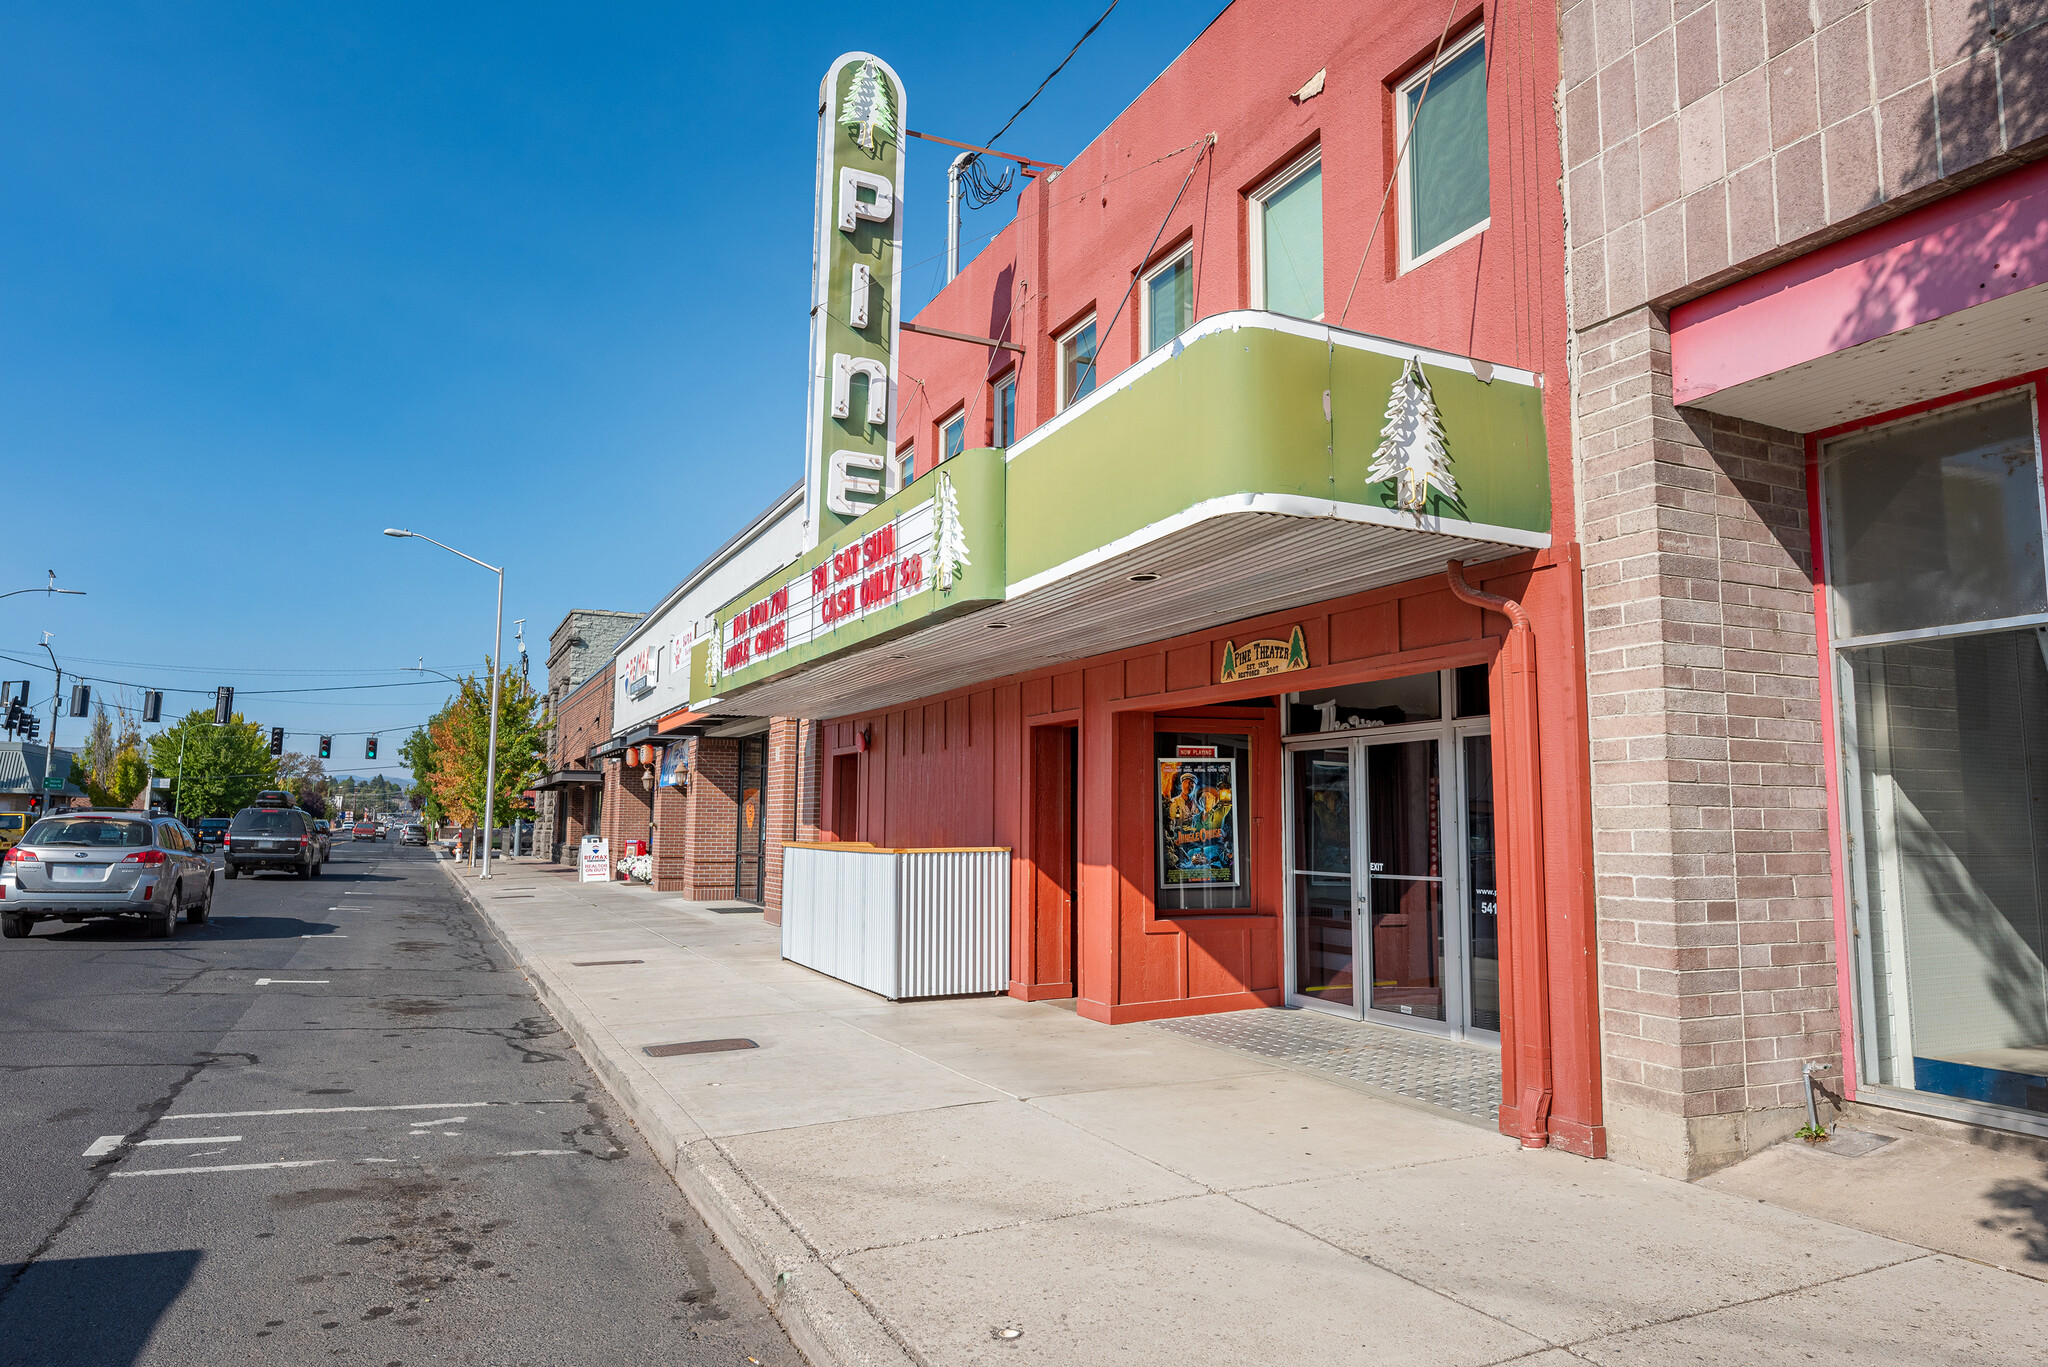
(953, 214)
(1525, 1027)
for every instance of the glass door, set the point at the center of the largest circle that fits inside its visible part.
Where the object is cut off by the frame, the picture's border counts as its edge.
(1392, 901)
(1324, 932)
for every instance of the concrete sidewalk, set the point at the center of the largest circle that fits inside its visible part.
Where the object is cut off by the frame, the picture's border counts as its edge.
(991, 1181)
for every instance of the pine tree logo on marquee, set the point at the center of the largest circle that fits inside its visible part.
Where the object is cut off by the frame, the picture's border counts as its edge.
(1412, 452)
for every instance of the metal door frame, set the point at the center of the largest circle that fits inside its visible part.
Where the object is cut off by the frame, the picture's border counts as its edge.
(1450, 734)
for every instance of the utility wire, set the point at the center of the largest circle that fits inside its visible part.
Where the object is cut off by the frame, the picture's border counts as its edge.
(208, 692)
(983, 189)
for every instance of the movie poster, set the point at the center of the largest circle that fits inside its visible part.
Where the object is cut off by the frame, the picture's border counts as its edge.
(1198, 822)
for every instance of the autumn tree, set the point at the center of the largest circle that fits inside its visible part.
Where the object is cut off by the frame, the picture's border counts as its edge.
(458, 745)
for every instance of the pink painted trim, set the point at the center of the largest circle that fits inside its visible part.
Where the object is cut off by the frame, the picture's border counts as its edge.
(1838, 881)
(1983, 243)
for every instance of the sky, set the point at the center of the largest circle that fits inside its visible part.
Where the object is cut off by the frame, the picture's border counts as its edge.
(530, 279)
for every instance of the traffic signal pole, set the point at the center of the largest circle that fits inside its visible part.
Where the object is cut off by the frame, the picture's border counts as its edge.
(50, 751)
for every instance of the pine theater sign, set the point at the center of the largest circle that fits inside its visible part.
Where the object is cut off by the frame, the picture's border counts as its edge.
(856, 274)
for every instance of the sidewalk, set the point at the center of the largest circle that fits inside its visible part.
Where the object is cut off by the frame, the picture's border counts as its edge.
(990, 1181)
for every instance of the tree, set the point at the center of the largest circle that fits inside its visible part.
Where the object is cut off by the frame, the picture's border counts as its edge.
(109, 766)
(224, 767)
(459, 738)
(418, 754)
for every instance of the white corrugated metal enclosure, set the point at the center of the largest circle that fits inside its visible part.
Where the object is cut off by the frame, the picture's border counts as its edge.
(900, 923)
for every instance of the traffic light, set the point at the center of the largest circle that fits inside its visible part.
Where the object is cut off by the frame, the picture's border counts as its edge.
(370, 748)
(35, 729)
(153, 705)
(15, 720)
(277, 740)
(223, 705)
(326, 747)
(81, 700)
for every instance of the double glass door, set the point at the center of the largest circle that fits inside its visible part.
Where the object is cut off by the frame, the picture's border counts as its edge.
(1392, 907)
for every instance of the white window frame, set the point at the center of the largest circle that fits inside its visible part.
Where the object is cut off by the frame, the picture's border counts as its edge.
(1409, 260)
(902, 470)
(1301, 167)
(958, 420)
(1005, 438)
(1147, 343)
(1060, 358)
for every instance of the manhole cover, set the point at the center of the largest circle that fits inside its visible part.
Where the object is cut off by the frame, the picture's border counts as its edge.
(602, 963)
(697, 1046)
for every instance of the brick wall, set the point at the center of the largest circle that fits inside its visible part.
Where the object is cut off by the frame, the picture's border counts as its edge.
(792, 742)
(1706, 139)
(1715, 919)
(713, 814)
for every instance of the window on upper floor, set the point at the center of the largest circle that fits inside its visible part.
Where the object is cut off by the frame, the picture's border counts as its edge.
(1005, 410)
(1077, 364)
(1444, 188)
(953, 436)
(1169, 299)
(1287, 240)
(903, 469)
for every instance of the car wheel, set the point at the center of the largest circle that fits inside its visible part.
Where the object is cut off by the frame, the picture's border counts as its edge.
(231, 872)
(316, 870)
(16, 927)
(164, 922)
(196, 915)
(304, 871)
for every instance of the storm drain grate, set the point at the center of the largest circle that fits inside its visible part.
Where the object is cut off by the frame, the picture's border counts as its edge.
(697, 1046)
(1456, 1076)
(602, 963)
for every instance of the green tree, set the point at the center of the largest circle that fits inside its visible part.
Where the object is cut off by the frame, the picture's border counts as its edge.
(459, 741)
(224, 767)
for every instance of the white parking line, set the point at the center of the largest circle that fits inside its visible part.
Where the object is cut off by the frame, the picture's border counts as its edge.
(339, 1110)
(531, 1153)
(223, 1167)
(295, 982)
(104, 1145)
(328, 936)
(451, 1120)
(208, 1139)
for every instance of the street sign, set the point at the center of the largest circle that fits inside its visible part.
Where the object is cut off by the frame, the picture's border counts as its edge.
(53, 783)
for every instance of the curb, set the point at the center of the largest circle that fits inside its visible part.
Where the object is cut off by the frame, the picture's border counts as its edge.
(826, 1321)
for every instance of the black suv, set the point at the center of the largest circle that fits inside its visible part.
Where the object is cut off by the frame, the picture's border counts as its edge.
(210, 830)
(271, 835)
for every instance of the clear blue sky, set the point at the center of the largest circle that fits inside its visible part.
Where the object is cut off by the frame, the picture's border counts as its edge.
(530, 278)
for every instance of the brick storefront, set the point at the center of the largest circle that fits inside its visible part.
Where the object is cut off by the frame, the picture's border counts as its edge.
(1706, 141)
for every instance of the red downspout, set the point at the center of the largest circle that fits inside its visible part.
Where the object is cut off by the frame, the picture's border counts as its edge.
(1525, 1027)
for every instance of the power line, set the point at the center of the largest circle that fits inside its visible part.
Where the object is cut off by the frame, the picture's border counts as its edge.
(983, 189)
(208, 692)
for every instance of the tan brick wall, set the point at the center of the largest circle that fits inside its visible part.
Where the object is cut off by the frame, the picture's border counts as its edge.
(1705, 139)
(1710, 831)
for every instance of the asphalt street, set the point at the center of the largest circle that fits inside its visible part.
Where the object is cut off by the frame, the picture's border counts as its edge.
(331, 1125)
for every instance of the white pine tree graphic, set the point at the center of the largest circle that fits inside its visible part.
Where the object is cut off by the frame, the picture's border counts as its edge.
(1411, 451)
(949, 541)
(867, 110)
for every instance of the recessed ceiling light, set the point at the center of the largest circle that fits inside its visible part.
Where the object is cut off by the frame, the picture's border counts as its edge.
(1144, 576)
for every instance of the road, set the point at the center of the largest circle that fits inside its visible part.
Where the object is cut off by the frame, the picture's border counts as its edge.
(331, 1125)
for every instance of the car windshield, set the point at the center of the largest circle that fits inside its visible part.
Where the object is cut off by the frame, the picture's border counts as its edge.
(213, 823)
(89, 830)
(263, 821)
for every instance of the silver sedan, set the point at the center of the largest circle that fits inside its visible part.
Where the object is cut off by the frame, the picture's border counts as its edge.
(74, 866)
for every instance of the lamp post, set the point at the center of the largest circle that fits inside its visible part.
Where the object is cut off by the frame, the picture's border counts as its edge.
(497, 668)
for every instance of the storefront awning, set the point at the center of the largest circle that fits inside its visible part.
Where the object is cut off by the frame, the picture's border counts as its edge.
(1947, 297)
(1237, 472)
(568, 778)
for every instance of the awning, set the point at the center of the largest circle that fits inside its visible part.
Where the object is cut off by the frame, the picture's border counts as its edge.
(1244, 470)
(568, 778)
(615, 746)
(683, 722)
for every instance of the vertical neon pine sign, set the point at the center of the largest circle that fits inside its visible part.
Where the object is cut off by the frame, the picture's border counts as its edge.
(856, 274)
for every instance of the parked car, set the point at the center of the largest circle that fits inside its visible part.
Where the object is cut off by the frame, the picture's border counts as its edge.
(413, 834)
(271, 838)
(12, 824)
(80, 865)
(324, 834)
(211, 831)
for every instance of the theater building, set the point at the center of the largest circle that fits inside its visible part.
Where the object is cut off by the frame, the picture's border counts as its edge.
(1807, 292)
(1237, 602)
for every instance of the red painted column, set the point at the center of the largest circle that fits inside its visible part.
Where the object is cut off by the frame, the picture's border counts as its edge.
(1525, 1052)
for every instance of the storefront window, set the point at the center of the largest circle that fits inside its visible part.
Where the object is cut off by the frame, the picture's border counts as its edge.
(1935, 545)
(1200, 781)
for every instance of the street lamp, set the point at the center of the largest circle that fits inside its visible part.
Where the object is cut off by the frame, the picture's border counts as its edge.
(50, 587)
(497, 668)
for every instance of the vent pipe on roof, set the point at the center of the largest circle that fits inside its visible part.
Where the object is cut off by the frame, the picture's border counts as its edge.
(953, 214)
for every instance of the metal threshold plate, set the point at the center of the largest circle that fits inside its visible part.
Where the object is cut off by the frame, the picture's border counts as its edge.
(697, 1046)
(602, 963)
